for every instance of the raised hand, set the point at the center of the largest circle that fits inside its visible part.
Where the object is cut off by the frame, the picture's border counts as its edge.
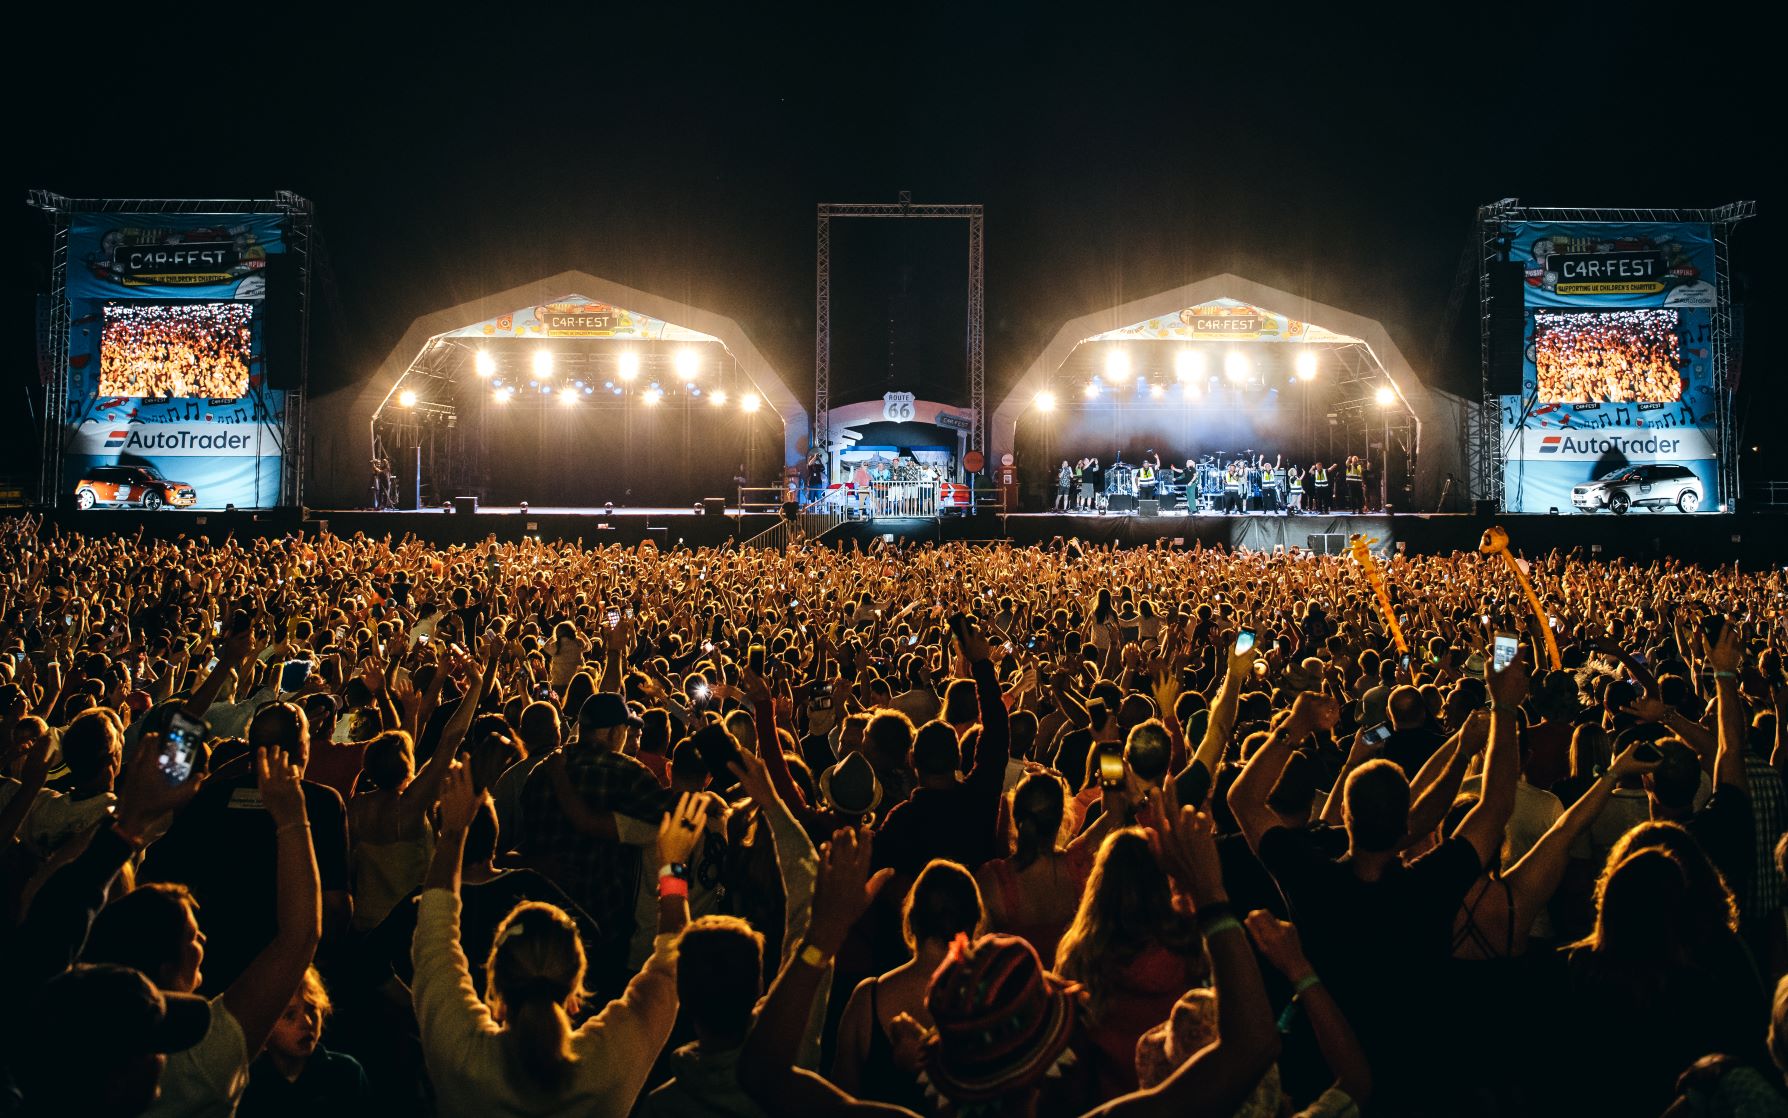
(1185, 844)
(1508, 687)
(1629, 763)
(1278, 940)
(459, 799)
(749, 771)
(281, 785)
(844, 890)
(681, 828)
(146, 796)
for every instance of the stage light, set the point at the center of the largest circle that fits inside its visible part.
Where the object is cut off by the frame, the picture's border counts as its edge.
(1092, 390)
(717, 397)
(501, 396)
(1190, 388)
(568, 398)
(1235, 366)
(1117, 365)
(406, 398)
(1157, 391)
(1307, 365)
(1188, 364)
(484, 363)
(589, 390)
(748, 403)
(688, 363)
(1385, 397)
(653, 395)
(1045, 401)
(629, 365)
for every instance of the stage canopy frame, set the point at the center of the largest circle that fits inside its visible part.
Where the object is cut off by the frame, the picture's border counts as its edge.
(1369, 390)
(585, 324)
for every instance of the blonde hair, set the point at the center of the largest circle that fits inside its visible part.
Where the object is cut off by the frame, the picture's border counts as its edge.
(536, 974)
(313, 993)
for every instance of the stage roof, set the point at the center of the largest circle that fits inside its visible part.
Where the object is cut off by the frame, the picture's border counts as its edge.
(1224, 320)
(579, 316)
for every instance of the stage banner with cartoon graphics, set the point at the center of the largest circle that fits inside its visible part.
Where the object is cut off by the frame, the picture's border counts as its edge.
(204, 415)
(1607, 264)
(1223, 320)
(171, 256)
(1604, 390)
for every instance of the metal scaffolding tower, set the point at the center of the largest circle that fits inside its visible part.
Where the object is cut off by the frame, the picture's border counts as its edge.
(977, 304)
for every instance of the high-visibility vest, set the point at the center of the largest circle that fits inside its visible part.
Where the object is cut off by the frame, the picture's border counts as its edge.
(1320, 476)
(1145, 474)
(1356, 472)
(1297, 483)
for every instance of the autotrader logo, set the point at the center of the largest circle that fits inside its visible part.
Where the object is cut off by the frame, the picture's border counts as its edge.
(1549, 444)
(116, 439)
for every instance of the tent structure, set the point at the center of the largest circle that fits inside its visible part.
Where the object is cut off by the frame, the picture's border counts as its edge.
(1230, 309)
(570, 305)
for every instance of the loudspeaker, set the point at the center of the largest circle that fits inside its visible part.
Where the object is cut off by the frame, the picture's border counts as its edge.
(1483, 508)
(465, 506)
(1150, 507)
(1508, 327)
(713, 506)
(282, 342)
(1120, 503)
(1326, 543)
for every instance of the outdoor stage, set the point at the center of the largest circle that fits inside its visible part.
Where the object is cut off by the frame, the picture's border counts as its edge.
(1638, 535)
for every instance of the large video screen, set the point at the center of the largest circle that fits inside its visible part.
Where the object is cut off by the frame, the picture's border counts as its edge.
(1609, 357)
(176, 350)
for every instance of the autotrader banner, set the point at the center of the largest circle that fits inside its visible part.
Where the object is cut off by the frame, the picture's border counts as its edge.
(1611, 265)
(228, 449)
(1604, 390)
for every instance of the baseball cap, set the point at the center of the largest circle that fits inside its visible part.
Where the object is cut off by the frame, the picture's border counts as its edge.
(604, 710)
(92, 1015)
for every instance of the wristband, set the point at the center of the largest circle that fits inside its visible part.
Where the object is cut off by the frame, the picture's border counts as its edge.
(1304, 983)
(679, 870)
(1224, 924)
(1213, 912)
(814, 956)
(1724, 675)
(672, 887)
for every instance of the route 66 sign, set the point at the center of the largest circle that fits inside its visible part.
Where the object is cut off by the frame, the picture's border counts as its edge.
(897, 407)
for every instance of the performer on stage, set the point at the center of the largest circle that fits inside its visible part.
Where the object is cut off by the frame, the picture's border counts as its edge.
(384, 485)
(1269, 484)
(1319, 488)
(1234, 485)
(1145, 477)
(1294, 501)
(1356, 483)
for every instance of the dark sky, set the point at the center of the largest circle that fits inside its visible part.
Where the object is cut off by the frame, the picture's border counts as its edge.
(1118, 152)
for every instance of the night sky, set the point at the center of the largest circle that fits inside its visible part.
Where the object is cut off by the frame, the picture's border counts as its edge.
(1117, 153)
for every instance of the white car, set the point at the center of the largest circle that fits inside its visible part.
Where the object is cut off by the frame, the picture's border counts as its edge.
(1653, 486)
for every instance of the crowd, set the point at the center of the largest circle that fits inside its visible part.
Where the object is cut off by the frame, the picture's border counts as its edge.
(1615, 357)
(318, 825)
(174, 351)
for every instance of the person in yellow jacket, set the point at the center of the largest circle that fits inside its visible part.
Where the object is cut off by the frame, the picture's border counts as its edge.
(1320, 488)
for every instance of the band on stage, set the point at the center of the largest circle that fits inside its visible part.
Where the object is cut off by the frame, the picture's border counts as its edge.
(1215, 483)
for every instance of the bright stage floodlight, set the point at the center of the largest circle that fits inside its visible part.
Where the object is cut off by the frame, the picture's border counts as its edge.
(568, 398)
(1190, 388)
(653, 395)
(1235, 366)
(717, 397)
(1386, 397)
(748, 403)
(1157, 391)
(1188, 364)
(543, 364)
(500, 395)
(629, 365)
(1092, 390)
(689, 363)
(406, 398)
(484, 363)
(1117, 365)
(1045, 401)
(1307, 365)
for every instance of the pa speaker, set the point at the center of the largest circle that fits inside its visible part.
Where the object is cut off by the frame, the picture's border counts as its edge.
(282, 341)
(713, 506)
(465, 506)
(1120, 503)
(1508, 328)
(1149, 506)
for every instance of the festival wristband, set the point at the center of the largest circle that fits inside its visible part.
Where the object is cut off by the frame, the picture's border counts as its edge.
(672, 887)
(1724, 675)
(1224, 924)
(1213, 912)
(1305, 983)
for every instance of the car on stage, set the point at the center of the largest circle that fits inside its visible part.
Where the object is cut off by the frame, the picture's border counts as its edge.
(132, 487)
(1649, 486)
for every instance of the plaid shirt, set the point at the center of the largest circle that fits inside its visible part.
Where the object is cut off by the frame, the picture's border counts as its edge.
(600, 874)
(1769, 815)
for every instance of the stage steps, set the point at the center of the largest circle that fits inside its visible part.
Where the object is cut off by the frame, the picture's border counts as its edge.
(815, 523)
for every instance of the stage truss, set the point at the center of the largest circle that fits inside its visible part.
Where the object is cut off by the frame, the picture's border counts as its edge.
(1488, 451)
(976, 340)
(299, 216)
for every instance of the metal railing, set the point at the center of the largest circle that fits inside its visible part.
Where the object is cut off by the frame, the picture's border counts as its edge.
(1771, 494)
(883, 498)
(811, 526)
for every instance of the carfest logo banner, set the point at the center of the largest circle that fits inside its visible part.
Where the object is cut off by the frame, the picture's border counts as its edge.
(1612, 265)
(197, 256)
(578, 316)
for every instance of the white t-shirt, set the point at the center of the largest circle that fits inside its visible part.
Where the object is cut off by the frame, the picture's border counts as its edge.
(206, 1080)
